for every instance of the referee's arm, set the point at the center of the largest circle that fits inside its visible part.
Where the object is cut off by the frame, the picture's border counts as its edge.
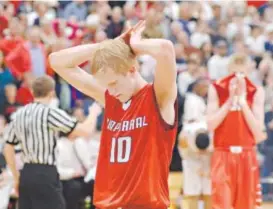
(60, 121)
(9, 150)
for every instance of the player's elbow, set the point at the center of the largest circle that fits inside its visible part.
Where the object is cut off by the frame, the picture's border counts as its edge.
(163, 50)
(55, 61)
(167, 47)
(261, 136)
(167, 44)
(81, 130)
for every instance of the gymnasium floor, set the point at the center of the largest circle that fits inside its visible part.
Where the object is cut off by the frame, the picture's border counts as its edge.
(175, 184)
(267, 206)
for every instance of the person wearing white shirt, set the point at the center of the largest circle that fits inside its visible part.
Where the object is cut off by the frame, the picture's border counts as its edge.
(74, 161)
(7, 190)
(218, 63)
(195, 105)
(6, 180)
(93, 147)
(200, 35)
(187, 77)
(256, 41)
(73, 158)
(195, 148)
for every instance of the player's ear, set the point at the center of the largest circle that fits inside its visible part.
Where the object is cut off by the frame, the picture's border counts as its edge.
(51, 94)
(133, 69)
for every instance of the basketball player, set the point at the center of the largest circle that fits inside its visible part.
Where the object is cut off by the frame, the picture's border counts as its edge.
(195, 150)
(140, 119)
(236, 116)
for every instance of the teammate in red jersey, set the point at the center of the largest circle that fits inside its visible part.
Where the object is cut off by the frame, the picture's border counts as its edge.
(236, 115)
(140, 119)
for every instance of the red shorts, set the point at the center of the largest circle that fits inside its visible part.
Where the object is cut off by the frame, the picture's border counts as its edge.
(235, 179)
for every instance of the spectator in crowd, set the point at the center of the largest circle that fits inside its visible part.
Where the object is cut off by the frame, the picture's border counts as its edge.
(196, 156)
(47, 35)
(221, 34)
(237, 27)
(195, 101)
(268, 46)
(11, 104)
(190, 75)
(76, 8)
(116, 25)
(41, 9)
(256, 42)
(185, 15)
(254, 74)
(175, 28)
(37, 52)
(218, 63)
(267, 149)
(129, 13)
(73, 162)
(180, 57)
(5, 78)
(269, 90)
(200, 36)
(5, 174)
(214, 23)
(204, 33)
(206, 50)
(24, 92)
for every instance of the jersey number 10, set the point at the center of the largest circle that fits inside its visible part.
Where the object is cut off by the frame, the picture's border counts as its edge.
(121, 149)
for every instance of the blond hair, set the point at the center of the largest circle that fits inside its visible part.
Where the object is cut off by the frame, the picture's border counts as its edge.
(238, 59)
(114, 54)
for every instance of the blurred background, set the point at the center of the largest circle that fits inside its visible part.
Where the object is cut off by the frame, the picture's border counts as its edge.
(204, 34)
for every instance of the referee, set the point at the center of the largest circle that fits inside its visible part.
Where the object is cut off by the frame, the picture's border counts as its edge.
(37, 127)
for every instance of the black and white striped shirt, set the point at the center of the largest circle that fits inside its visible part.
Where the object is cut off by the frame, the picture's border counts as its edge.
(37, 127)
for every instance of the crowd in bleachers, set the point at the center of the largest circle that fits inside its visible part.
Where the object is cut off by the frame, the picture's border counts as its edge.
(204, 34)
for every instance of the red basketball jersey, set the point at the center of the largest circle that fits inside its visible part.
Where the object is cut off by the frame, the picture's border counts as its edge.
(233, 131)
(135, 154)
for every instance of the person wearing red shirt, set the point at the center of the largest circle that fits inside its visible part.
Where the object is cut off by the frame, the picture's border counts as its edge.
(236, 116)
(140, 121)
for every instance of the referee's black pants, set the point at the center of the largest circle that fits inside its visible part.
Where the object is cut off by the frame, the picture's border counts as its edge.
(75, 191)
(40, 188)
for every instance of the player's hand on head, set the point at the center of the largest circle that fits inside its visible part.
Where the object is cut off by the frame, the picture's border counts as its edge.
(136, 34)
(132, 33)
(125, 36)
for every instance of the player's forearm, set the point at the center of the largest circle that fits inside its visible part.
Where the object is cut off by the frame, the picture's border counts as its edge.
(72, 57)
(214, 120)
(90, 123)
(9, 154)
(85, 129)
(154, 47)
(254, 125)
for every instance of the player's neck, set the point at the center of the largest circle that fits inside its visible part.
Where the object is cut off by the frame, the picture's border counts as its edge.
(140, 83)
